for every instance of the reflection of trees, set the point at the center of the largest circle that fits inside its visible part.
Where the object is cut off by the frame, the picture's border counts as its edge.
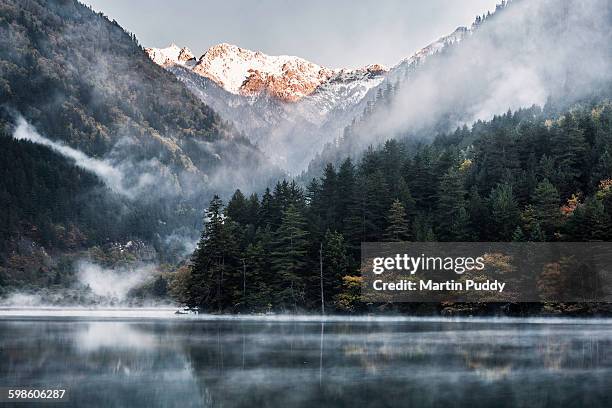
(274, 363)
(554, 353)
(109, 363)
(487, 364)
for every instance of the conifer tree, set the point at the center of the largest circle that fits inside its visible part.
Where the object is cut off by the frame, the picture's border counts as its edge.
(346, 188)
(518, 235)
(546, 204)
(209, 266)
(329, 198)
(376, 204)
(397, 224)
(266, 210)
(477, 214)
(569, 149)
(289, 258)
(237, 208)
(537, 234)
(504, 212)
(335, 263)
(452, 219)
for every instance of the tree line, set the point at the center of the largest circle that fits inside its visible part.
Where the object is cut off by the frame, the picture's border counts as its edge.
(522, 176)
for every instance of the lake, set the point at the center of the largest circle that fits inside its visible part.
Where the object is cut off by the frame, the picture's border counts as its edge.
(151, 358)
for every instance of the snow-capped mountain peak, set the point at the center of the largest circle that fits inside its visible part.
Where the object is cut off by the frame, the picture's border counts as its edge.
(172, 54)
(284, 101)
(250, 73)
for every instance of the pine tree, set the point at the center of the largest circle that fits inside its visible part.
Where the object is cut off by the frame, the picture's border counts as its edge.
(329, 198)
(596, 221)
(422, 231)
(546, 205)
(478, 215)
(405, 197)
(504, 212)
(537, 234)
(266, 210)
(257, 280)
(569, 149)
(422, 179)
(209, 268)
(314, 213)
(377, 201)
(346, 189)
(335, 263)
(253, 209)
(397, 224)
(518, 235)
(452, 219)
(237, 208)
(289, 258)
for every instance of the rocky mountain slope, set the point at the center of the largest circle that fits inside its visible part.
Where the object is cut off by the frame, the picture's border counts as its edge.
(289, 106)
(278, 101)
(252, 73)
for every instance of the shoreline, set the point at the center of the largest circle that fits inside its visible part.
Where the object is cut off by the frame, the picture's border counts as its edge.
(84, 313)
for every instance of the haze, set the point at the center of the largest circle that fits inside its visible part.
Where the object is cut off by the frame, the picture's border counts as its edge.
(339, 33)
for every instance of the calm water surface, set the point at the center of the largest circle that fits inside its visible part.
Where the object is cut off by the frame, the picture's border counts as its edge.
(126, 361)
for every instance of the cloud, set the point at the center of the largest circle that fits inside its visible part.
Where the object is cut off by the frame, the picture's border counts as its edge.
(19, 299)
(115, 282)
(522, 55)
(110, 175)
(127, 178)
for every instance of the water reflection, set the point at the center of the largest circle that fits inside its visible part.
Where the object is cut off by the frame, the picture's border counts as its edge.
(248, 363)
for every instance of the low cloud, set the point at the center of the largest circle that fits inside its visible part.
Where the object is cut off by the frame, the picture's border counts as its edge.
(524, 54)
(20, 299)
(113, 283)
(113, 176)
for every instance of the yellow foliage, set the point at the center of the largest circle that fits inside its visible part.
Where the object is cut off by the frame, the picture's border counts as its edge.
(572, 203)
(605, 188)
(465, 165)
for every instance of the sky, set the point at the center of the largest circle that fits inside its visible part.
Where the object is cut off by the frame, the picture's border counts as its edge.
(332, 33)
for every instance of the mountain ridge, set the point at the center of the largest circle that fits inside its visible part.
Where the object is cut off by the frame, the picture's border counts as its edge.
(272, 106)
(249, 73)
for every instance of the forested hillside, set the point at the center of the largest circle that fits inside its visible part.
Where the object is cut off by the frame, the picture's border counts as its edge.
(527, 52)
(82, 81)
(62, 64)
(523, 176)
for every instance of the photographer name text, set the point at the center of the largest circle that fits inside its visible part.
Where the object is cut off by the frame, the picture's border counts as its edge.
(430, 285)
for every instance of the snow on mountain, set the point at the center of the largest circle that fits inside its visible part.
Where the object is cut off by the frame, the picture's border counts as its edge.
(287, 105)
(250, 73)
(171, 55)
(420, 56)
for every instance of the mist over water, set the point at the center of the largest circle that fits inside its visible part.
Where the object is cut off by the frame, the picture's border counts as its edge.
(224, 362)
